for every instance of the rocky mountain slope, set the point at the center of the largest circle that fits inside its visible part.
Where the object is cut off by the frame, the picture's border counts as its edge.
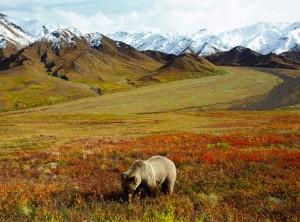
(240, 56)
(193, 66)
(293, 53)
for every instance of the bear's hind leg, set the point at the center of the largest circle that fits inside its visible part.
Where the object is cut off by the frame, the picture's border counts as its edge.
(167, 186)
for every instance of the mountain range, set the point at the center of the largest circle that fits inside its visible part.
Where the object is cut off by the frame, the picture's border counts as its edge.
(45, 64)
(263, 38)
(278, 45)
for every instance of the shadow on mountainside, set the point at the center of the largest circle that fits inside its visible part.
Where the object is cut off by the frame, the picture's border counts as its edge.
(282, 95)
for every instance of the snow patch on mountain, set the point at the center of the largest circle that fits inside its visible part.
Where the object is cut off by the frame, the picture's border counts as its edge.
(13, 34)
(171, 43)
(290, 40)
(94, 39)
(23, 33)
(3, 42)
(63, 36)
(36, 29)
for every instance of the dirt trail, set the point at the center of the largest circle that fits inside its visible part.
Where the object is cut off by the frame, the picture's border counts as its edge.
(285, 94)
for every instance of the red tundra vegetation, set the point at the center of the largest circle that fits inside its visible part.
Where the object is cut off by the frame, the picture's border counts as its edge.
(226, 175)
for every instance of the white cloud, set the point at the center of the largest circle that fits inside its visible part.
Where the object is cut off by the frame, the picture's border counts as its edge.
(99, 21)
(191, 15)
(186, 16)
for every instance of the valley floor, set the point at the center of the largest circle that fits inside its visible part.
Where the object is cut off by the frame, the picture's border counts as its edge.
(220, 92)
(285, 94)
(242, 88)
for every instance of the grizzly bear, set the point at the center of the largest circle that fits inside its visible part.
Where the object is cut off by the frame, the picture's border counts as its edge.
(156, 173)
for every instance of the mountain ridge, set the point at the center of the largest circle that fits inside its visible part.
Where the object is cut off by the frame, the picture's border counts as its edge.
(262, 37)
(241, 56)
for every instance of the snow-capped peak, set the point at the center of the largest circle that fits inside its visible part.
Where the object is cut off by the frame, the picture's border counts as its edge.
(171, 43)
(74, 31)
(261, 37)
(120, 35)
(10, 33)
(62, 36)
(36, 29)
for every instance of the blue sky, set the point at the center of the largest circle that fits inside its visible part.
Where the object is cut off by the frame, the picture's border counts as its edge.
(183, 16)
(86, 7)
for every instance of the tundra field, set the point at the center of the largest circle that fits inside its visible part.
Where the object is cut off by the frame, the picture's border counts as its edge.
(232, 166)
(58, 165)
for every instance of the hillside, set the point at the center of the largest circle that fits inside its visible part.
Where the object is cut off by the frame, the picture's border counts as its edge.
(66, 65)
(22, 88)
(293, 53)
(40, 74)
(160, 56)
(240, 56)
(213, 92)
(182, 67)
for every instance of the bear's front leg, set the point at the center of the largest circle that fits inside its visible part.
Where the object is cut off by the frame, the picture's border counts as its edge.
(129, 197)
(152, 189)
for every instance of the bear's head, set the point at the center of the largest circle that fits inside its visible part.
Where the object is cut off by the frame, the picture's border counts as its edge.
(130, 182)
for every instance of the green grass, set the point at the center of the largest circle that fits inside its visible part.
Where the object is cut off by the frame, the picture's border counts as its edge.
(218, 92)
(22, 88)
(207, 92)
